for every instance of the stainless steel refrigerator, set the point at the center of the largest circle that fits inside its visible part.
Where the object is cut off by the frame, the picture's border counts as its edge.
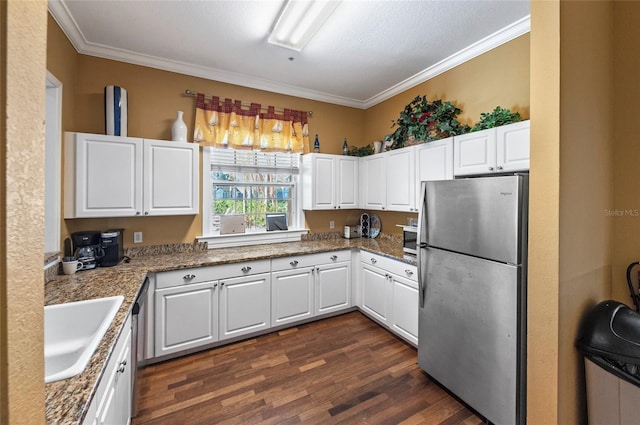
(472, 269)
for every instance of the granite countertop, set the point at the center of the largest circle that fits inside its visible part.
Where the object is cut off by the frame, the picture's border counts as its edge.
(66, 401)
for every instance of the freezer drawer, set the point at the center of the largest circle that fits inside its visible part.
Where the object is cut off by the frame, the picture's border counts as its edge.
(468, 331)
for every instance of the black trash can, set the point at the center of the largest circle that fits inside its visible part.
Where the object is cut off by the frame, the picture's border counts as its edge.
(610, 341)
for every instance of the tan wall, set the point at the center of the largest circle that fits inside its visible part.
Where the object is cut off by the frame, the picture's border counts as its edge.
(544, 220)
(627, 145)
(23, 26)
(586, 184)
(499, 77)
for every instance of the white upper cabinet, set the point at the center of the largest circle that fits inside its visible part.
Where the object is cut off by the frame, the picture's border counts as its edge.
(400, 181)
(329, 182)
(374, 182)
(111, 176)
(512, 143)
(496, 150)
(170, 178)
(434, 160)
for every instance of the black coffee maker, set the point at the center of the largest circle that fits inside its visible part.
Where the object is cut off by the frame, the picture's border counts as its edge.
(112, 243)
(86, 248)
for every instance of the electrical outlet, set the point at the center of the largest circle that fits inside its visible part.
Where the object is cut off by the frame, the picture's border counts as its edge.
(137, 237)
(332, 224)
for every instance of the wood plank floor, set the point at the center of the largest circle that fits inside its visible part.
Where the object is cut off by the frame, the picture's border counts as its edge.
(342, 370)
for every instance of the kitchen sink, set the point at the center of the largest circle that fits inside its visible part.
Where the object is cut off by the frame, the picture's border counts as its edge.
(72, 332)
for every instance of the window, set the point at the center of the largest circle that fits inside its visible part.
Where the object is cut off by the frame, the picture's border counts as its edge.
(251, 184)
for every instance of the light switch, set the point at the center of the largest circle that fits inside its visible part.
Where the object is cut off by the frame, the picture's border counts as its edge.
(137, 237)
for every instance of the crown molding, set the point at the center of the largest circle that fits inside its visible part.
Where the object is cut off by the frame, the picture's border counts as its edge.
(490, 42)
(61, 14)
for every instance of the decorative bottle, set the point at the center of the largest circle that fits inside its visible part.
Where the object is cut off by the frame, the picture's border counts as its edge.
(179, 129)
(345, 147)
(316, 145)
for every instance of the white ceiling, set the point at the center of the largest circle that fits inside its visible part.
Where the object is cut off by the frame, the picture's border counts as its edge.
(367, 51)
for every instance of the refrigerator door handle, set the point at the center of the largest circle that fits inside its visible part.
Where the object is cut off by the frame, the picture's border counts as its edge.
(422, 243)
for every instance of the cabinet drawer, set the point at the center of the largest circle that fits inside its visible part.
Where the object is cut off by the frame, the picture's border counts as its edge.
(247, 268)
(300, 261)
(185, 277)
(207, 274)
(390, 265)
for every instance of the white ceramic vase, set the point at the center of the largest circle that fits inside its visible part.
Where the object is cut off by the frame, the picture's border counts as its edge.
(179, 129)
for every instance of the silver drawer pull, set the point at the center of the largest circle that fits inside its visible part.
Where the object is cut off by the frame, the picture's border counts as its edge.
(373, 261)
(334, 257)
(409, 272)
(294, 263)
(189, 276)
(245, 269)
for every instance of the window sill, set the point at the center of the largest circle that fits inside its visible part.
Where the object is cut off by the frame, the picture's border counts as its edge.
(225, 241)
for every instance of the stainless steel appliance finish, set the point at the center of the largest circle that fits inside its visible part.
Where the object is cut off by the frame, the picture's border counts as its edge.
(472, 287)
(410, 239)
(138, 340)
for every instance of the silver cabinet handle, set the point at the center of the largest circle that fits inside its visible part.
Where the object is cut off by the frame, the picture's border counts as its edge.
(373, 261)
(189, 276)
(409, 272)
(294, 263)
(334, 257)
(490, 168)
(499, 167)
(246, 269)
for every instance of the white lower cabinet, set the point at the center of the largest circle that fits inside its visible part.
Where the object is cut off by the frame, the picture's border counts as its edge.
(186, 316)
(333, 287)
(292, 295)
(245, 305)
(404, 310)
(112, 402)
(376, 292)
(389, 294)
(310, 285)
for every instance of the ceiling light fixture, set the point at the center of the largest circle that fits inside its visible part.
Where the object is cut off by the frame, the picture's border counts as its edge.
(299, 21)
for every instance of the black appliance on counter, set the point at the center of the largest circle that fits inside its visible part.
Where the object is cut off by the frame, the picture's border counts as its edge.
(86, 248)
(112, 243)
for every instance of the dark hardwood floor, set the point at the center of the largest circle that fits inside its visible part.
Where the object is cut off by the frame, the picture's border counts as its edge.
(342, 370)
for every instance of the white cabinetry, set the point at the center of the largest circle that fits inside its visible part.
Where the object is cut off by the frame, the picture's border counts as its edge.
(496, 150)
(374, 182)
(112, 402)
(400, 180)
(389, 294)
(309, 285)
(186, 317)
(111, 176)
(329, 182)
(245, 305)
(388, 181)
(200, 306)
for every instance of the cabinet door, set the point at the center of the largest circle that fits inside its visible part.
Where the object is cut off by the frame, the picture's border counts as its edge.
(185, 317)
(475, 153)
(374, 182)
(115, 405)
(376, 292)
(401, 181)
(333, 287)
(171, 176)
(292, 296)
(103, 176)
(404, 312)
(318, 182)
(512, 143)
(346, 182)
(245, 305)
(434, 160)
